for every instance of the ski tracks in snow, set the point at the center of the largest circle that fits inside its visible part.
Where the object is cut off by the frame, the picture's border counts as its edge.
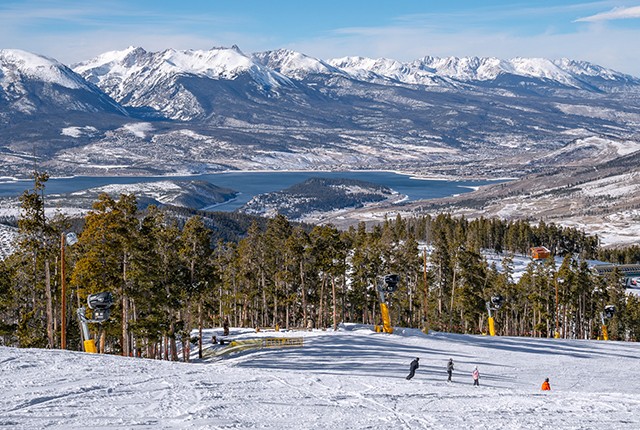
(374, 412)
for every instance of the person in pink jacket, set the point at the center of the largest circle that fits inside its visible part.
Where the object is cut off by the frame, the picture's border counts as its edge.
(476, 376)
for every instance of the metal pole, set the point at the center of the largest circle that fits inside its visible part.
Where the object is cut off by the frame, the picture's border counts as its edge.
(63, 301)
(557, 334)
(426, 293)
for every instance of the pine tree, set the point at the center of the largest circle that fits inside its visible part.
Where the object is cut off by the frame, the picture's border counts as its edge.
(107, 247)
(36, 245)
(194, 251)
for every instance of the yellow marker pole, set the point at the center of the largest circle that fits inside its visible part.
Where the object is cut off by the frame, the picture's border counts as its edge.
(605, 335)
(492, 327)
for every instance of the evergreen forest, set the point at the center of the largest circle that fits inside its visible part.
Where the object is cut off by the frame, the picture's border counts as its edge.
(172, 274)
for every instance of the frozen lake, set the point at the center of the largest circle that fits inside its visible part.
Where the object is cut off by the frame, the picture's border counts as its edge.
(250, 184)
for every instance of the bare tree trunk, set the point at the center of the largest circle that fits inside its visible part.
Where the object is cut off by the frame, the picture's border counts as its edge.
(166, 348)
(275, 304)
(410, 307)
(440, 293)
(47, 289)
(453, 290)
(264, 300)
(321, 312)
(174, 349)
(304, 296)
(236, 318)
(125, 328)
(125, 310)
(134, 340)
(335, 311)
(245, 310)
(200, 329)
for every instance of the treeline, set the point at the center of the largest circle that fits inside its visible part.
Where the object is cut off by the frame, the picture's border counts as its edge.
(170, 277)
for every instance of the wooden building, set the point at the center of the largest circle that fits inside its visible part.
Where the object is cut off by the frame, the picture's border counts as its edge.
(540, 253)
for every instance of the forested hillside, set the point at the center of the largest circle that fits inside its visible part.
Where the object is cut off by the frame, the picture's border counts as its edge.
(169, 276)
(317, 195)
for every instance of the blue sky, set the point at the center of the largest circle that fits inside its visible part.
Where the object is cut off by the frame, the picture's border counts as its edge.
(605, 32)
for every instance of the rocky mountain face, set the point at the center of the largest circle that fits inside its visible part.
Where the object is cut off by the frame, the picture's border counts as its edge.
(139, 112)
(33, 85)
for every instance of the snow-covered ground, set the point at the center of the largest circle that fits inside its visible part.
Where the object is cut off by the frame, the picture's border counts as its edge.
(8, 235)
(349, 379)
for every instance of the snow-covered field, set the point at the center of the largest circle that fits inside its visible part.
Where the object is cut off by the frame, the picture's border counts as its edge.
(349, 379)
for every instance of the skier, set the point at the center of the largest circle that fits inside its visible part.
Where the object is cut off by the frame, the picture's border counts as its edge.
(412, 368)
(476, 377)
(545, 385)
(450, 369)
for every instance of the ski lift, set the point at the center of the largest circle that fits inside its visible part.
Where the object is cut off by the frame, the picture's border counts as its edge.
(609, 311)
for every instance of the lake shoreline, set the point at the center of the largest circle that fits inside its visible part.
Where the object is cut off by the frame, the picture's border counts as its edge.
(251, 183)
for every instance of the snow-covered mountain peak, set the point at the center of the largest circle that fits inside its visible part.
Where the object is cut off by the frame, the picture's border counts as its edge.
(564, 71)
(539, 68)
(584, 68)
(216, 63)
(464, 68)
(16, 65)
(110, 58)
(376, 68)
(294, 64)
(163, 80)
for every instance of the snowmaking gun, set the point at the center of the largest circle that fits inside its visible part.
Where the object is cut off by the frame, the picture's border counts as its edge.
(100, 304)
(606, 315)
(388, 284)
(493, 305)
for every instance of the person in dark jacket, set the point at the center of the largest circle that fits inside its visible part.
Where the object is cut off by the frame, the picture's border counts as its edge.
(413, 367)
(450, 369)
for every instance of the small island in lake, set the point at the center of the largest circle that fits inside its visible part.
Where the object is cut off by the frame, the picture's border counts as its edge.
(318, 195)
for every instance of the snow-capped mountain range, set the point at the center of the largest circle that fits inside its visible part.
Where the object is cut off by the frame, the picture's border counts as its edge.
(134, 111)
(27, 79)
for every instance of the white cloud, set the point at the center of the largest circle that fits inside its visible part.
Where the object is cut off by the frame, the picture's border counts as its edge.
(613, 14)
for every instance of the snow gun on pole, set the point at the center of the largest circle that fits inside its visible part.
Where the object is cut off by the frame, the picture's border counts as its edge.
(388, 284)
(100, 304)
(493, 305)
(608, 313)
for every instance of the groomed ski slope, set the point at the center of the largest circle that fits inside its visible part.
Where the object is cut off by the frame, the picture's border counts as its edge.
(349, 379)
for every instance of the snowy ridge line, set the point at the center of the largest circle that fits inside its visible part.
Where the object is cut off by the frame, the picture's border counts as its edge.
(118, 70)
